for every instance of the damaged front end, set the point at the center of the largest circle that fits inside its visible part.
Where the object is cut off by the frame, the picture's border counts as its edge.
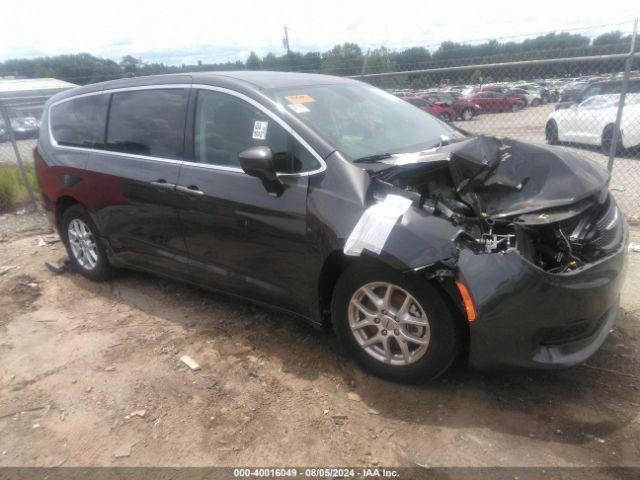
(536, 239)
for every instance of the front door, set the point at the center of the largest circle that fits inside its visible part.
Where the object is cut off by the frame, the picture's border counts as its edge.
(240, 238)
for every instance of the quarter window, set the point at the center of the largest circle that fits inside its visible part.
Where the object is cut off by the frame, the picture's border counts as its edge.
(147, 122)
(80, 122)
(226, 125)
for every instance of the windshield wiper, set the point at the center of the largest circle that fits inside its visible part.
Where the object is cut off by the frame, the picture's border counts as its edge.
(443, 141)
(373, 158)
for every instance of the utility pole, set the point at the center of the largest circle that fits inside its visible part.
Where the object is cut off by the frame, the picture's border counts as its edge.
(364, 63)
(613, 148)
(285, 39)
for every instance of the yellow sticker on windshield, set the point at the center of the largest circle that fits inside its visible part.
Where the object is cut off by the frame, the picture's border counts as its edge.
(301, 98)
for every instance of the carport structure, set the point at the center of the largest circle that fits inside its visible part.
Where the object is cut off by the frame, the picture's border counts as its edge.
(22, 99)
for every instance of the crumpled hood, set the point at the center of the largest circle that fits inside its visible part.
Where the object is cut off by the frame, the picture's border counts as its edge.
(505, 177)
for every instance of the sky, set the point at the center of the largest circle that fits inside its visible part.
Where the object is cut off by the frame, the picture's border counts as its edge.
(185, 31)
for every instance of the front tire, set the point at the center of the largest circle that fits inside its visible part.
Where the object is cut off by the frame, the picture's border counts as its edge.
(535, 102)
(467, 114)
(445, 117)
(395, 326)
(551, 133)
(81, 238)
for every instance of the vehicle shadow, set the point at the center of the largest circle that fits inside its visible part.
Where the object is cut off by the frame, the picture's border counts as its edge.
(573, 406)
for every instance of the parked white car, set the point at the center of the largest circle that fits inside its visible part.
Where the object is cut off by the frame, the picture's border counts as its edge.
(592, 122)
(533, 97)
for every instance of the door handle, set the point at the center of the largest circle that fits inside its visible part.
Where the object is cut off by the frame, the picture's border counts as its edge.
(191, 190)
(162, 184)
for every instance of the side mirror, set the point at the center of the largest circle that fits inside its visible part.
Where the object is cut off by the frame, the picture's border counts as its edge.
(258, 162)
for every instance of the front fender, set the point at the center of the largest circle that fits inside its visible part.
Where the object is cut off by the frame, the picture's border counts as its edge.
(419, 239)
(339, 197)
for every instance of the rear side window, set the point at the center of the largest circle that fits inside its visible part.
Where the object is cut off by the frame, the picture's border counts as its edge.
(80, 122)
(147, 122)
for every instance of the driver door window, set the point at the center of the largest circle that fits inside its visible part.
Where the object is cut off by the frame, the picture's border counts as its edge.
(226, 125)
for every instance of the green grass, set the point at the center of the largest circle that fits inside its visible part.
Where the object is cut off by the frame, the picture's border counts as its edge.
(13, 191)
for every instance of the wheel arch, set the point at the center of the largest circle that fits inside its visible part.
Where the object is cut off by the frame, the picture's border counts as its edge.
(332, 268)
(337, 262)
(611, 127)
(606, 127)
(62, 204)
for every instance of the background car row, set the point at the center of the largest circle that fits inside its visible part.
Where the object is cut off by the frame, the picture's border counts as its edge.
(23, 127)
(464, 102)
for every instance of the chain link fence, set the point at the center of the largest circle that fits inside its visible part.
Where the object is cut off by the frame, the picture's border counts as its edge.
(589, 105)
(19, 130)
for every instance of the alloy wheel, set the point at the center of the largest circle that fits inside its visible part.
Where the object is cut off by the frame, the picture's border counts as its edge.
(83, 244)
(467, 114)
(389, 323)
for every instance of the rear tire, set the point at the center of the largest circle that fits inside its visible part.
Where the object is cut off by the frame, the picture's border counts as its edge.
(436, 329)
(516, 107)
(535, 102)
(607, 138)
(445, 117)
(467, 114)
(551, 133)
(85, 249)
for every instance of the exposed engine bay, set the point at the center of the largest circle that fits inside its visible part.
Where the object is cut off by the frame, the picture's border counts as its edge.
(552, 206)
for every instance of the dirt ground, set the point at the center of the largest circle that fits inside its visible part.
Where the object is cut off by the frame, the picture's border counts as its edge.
(91, 376)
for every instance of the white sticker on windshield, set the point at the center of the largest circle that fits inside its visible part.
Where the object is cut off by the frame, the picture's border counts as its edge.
(260, 130)
(299, 107)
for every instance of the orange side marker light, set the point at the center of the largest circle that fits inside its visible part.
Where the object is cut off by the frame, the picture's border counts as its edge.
(466, 300)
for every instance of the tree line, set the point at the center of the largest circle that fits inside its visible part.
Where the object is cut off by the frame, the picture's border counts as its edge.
(351, 59)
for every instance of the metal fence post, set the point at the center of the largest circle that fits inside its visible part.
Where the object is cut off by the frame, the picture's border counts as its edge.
(364, 64)
(623, 94)
(12, 138)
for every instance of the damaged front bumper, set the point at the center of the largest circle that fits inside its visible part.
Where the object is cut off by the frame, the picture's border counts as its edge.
(528, 317)
(530, 236)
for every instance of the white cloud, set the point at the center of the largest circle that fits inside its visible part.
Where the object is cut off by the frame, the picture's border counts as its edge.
(185, 31)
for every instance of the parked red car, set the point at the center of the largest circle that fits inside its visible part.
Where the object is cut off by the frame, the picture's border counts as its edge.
(497, 102)
(464, 108)
(444, 113)
(505, 91)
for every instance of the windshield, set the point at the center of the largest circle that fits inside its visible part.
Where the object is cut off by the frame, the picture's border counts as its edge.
(600, 101)
(363, 121)
(611, 100)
